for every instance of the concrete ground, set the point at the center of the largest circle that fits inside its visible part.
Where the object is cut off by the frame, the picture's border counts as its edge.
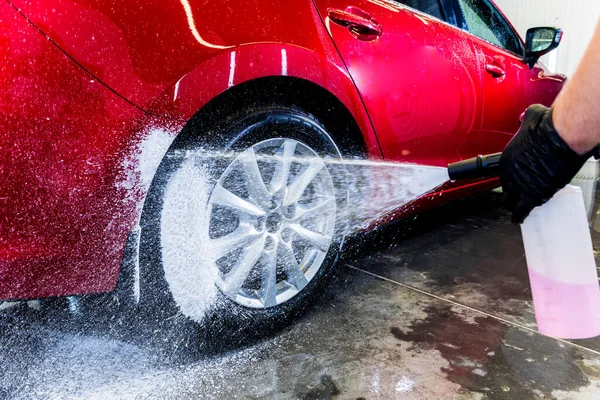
(436, 308)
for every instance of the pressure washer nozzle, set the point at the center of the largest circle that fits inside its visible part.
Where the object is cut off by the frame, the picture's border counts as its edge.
(477, 167)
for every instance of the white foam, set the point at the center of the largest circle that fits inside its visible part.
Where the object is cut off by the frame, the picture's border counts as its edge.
(189, 268)
(141, 166)
(405, 384)
(88, 367)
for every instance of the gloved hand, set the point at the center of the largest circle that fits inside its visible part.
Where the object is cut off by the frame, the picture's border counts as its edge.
(536, 164)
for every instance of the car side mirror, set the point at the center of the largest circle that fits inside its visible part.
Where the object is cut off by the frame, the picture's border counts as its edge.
(540, 41)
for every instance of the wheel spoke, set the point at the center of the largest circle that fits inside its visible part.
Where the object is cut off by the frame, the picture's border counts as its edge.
(320, 241)
(321, 208)
(242, 236)
(283, 224)
(297, 187)
(294, 273)
(268, 289)
(238, 274)
(258, 190)
(285, 153)
(225, 198)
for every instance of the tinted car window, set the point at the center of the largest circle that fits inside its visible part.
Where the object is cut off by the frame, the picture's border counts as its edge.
(484, 21)
(431, 7)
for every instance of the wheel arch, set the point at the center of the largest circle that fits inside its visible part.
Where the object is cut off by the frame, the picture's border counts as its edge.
(316, 81)
(287, 92)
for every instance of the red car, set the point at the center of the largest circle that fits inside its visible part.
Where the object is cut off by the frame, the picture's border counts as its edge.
(132, 135)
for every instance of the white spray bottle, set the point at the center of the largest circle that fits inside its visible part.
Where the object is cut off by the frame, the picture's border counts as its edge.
(560, 257)
(562, 269)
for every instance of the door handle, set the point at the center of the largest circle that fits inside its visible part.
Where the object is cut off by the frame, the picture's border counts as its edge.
(362, 27)
(495, 66)
(495, 70)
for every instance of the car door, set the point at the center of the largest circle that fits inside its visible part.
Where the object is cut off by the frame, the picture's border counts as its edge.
(417, 75)
(506, 75)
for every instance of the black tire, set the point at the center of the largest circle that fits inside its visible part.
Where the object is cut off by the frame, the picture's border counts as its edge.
(227, 324)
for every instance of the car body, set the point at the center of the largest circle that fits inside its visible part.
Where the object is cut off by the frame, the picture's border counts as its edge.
(94, 92)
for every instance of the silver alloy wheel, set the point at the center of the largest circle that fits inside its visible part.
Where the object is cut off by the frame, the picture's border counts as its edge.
(272, 220)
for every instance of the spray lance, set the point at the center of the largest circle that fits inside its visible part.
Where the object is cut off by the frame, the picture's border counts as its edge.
(559, 255)
(477, 167)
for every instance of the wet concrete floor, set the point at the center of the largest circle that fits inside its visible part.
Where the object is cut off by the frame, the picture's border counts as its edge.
(435, 308)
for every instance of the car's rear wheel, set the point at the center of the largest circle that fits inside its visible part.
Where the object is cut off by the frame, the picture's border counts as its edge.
(269, 232)
(238, 240)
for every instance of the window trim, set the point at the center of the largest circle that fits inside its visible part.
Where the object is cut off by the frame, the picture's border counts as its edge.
(461, 23)
(507, 24)
(398, 3)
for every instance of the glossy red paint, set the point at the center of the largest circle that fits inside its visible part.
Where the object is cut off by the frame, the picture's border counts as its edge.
(171, 57)
(505, 96)
(85, 83)
(419, 81)
(246, 63)
(62, 135)
(510, 93)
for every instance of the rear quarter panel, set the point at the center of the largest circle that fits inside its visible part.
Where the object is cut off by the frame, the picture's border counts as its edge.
(61, 135)
(101, 94)
(145, 50)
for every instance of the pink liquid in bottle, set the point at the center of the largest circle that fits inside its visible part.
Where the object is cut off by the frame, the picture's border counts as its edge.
(562, 270)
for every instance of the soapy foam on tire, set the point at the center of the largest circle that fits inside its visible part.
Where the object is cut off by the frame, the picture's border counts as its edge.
(189, 269)
(375, 189)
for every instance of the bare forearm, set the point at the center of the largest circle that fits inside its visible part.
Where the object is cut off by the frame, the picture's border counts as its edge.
(577, 109)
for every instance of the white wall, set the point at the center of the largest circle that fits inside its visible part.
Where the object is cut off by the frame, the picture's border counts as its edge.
(577, 18)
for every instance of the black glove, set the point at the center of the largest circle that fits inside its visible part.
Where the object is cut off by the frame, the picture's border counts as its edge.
(536, 164)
